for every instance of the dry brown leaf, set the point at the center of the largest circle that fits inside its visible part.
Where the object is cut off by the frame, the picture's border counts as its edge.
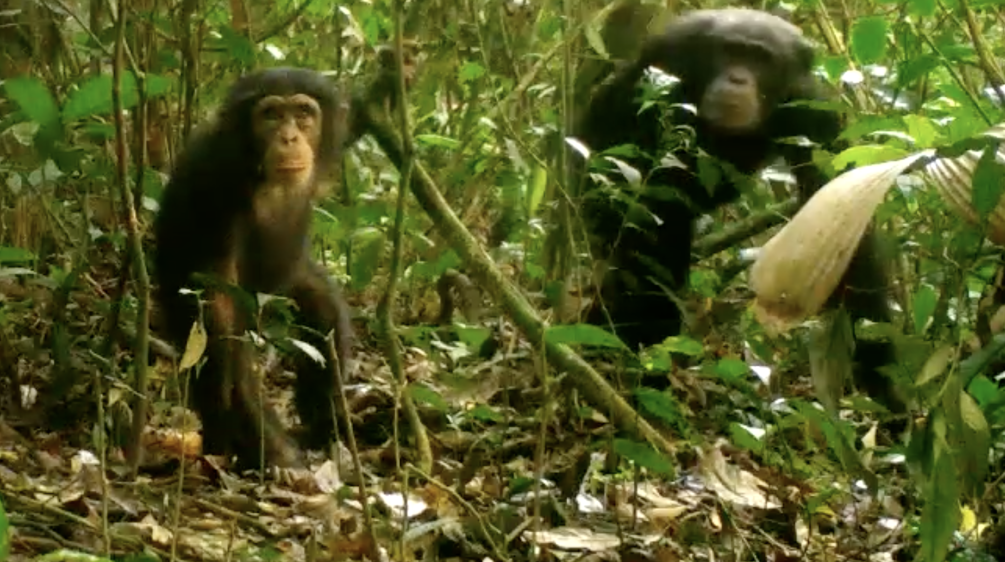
(952, 177)
(800, 267)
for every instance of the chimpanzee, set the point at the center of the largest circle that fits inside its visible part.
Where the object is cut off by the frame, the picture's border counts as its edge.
(238, 209)
(742, 70)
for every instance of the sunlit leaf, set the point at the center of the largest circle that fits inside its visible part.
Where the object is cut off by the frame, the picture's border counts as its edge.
(582, 334)
(923, 307)
(868, 38)
(311, 351)
(422, 394)
(644, 455)
(195, 346)
(37, 103)
(10, 254)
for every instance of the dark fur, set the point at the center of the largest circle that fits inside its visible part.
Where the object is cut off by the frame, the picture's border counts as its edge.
(693, 48)
(209, 194)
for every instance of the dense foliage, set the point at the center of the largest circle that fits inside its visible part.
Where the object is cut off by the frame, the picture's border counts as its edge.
(528, 445)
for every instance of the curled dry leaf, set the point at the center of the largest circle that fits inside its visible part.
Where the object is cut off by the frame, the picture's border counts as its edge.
(799, 268)
(953, 178)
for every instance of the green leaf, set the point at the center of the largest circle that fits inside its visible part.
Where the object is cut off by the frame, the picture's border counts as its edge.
(830, 344)
(742, 437)
(438, 141)
(868, 39)
(732, 369)
(977, 442)
(936, 365)
(158, 86)
(11, 254)
(582, 334)
(988, 182)
(924, 307)
(917, 68)
(237, 46)
(37, 103)
(367, 247)
(658, 404)
(941, 512)
(683, 345)
(470, 71)
(4, 533)
(644, 455)
(923, 8)
(593, 37)
(94, 96)
(484, 413)
(923, 130)
(425, 395)
(538, 187)
(866, 154)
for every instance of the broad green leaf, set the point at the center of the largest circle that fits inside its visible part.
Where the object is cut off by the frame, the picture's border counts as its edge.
(866, 154)
(684, 345)
(988, 183)
(923, 306)
(977, 441)
(658, 404)
(238, 46)
(12, 254)
(741, 437)
(936, 365)
(644, 455)
(94, 97)
(425, 395)
(923, 8)
(582, 334)
(941, 511)
(925, 133)
(732, 369)
(592, 31)
(538, 187)
(470, 71)
(484, 413)
(868, 39)
(37, 103)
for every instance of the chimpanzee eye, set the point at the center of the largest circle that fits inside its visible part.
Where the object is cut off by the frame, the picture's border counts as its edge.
(270, 113)
(304, 111)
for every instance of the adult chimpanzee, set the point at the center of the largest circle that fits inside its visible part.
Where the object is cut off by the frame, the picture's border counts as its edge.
(742, 70)
(238, 208)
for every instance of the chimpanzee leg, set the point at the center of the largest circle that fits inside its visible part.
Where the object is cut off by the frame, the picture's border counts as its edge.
(205, 388)
(865, 292)
(229, 401)
(322, 309)
(206, 392)
(257, 424)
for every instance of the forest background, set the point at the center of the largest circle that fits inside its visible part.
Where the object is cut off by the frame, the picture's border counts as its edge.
(523, 450)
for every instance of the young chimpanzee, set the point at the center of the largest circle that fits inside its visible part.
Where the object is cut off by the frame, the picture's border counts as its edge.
(742, 70)
(238, 208)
